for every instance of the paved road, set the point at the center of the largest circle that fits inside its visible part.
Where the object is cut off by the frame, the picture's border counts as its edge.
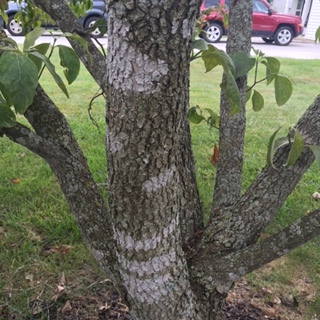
(298, 49)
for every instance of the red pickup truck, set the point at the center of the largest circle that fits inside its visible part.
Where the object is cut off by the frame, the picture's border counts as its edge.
(271, 26)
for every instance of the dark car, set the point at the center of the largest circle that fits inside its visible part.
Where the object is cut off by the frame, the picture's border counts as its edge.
(91, 16)
(271, 26)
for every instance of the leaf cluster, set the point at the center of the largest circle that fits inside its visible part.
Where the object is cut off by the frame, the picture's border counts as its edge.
(235, 67)
(20, 72)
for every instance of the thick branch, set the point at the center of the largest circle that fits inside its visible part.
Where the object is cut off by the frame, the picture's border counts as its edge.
(272, 187)
(232, 128)
(67, 21)
(55, 143)
(29, 139)
(240, 225)
(235, 265)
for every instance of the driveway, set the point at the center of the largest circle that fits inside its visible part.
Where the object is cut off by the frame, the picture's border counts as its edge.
(299, 48)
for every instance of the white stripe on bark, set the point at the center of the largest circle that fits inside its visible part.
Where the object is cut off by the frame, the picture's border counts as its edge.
(148, 242)
(133, 71)
(150, 267)
(155, 183)
(149, 290)
(114, 143)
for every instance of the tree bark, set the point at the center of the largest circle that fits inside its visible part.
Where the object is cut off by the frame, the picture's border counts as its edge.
(232, 128)
(154, 208)
(54, 142)
(151, 184)
(93, 59)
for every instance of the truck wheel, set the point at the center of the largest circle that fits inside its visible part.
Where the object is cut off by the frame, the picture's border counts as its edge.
(283, 36)
(212, 33)
(14, 27)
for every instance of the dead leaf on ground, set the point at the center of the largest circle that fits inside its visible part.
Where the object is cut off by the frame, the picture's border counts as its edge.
(60, 250)
(67, 307)
(316, 196)
(62, 280)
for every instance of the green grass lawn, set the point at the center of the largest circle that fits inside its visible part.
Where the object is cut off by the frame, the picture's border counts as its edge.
(40, 246)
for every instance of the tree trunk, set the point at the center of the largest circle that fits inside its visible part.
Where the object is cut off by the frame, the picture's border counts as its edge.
(151, 182)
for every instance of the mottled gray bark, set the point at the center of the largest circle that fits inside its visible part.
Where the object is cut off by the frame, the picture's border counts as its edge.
(259, 204)
(154, 205)
(242, 262)
(53, 140)
(150, 171)
(232, 128)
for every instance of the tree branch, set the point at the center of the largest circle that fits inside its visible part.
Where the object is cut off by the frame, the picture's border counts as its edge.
(232, 128)
(231, 267)
(55, 143)
(30, 140)
(68, 22)
(240, 225)
(268, 192)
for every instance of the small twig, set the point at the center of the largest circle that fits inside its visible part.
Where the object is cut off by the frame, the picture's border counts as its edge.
(55, 39)
(97, 95)
(42, 291)
(101, 47)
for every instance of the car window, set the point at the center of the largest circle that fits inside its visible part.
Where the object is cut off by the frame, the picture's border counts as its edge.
(211, 3)
(260, 7)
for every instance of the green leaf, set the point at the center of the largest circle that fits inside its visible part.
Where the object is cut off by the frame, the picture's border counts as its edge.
(280, 142)
(214, 119)
(213, 57)
(317, 35)
(232, 94)
(19, 76)
(7, 117)
(243, 63)
(13, 46)
(42, 49)
(3, 15)
(193, 115)
(31, 38)
(70, 61)
(6, 95)
(80, 40)
(101, 25)
(316, 152)
(296, 149)
(2, 100)
(271, 149)
(257, 52)
(257, 101)
(51, 68)
(199, 44)
(283, 89)
(273, 64)
(272, 68)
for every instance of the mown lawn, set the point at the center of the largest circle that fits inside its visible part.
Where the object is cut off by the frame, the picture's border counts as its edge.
(41, 248)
